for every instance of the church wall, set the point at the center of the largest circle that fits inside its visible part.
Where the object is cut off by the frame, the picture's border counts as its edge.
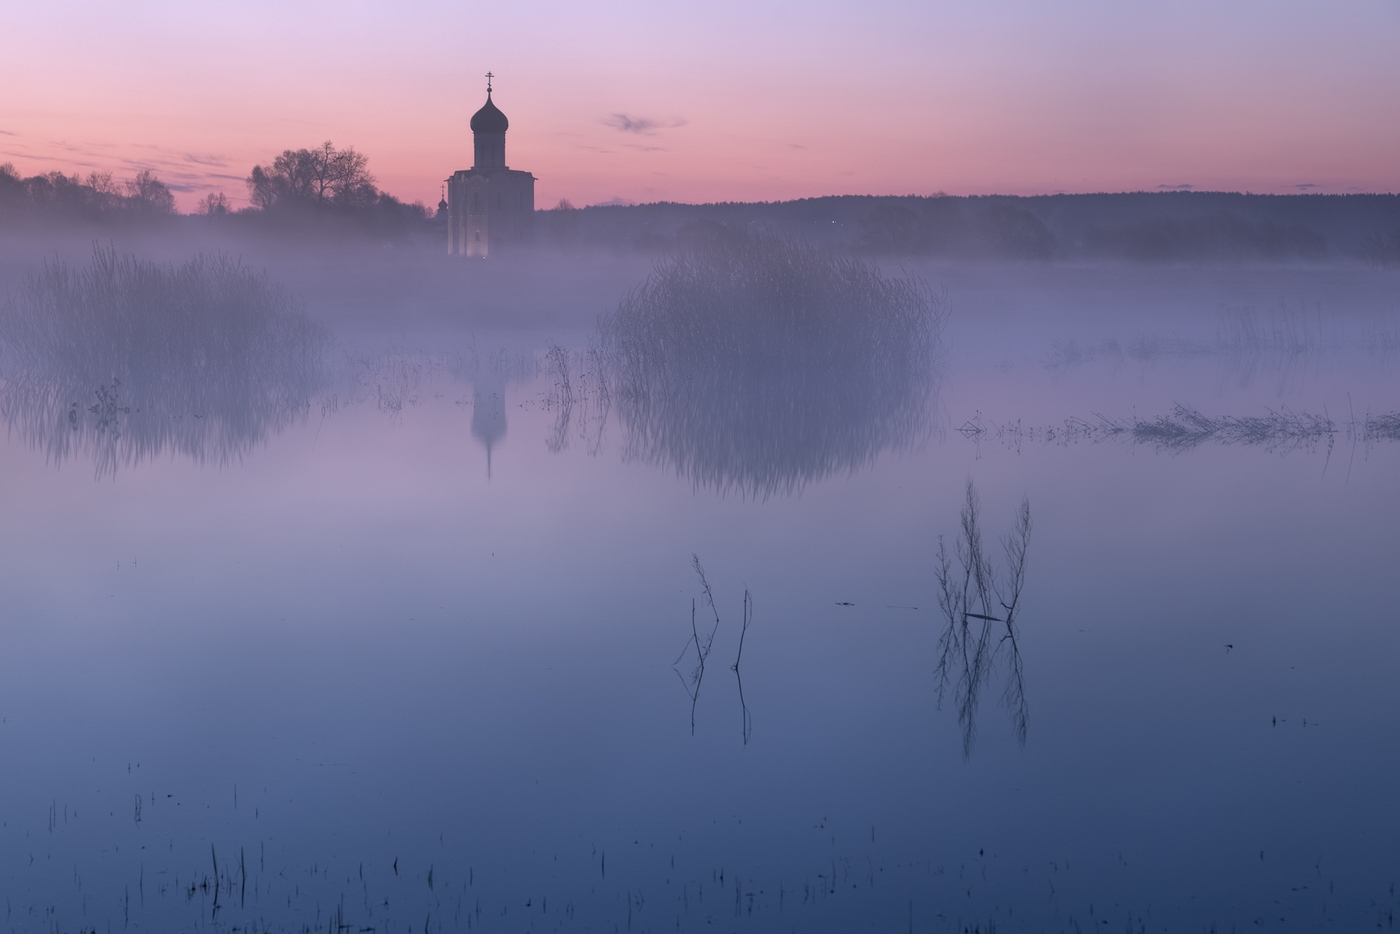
(489, 210)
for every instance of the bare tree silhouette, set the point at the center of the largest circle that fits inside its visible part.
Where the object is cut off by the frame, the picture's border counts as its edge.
(321, 176)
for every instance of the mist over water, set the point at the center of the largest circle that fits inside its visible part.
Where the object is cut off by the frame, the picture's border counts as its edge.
(749, 586)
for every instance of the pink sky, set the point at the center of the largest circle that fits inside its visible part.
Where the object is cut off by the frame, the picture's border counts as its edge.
(729, 100)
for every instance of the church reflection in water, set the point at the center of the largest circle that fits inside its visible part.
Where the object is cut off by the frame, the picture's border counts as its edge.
(488, 412)
(492, 369)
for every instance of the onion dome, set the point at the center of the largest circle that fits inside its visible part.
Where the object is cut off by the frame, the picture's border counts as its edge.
(489, 118)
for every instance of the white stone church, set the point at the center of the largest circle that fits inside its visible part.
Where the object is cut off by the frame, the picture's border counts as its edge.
(490, 205)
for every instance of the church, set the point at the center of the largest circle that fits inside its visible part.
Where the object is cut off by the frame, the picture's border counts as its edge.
(490, 205)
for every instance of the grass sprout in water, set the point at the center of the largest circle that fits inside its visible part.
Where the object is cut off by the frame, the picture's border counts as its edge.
(127, 359)
(703, 647)
(979, 603)
(762, 365)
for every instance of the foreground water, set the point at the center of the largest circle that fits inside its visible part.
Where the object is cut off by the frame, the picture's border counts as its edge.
(421, 657)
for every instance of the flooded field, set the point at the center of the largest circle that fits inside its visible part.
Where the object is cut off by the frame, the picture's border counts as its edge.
(1020, 597)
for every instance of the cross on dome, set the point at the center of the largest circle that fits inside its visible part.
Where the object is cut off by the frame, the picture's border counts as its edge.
(489, 119)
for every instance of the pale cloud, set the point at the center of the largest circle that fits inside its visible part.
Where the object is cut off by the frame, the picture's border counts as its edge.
(205, 159)
(645, 126)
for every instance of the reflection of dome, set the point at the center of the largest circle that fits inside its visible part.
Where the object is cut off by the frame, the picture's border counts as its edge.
(489, 118)
(488, 415)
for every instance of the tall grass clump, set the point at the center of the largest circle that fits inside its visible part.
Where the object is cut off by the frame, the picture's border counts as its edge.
(1187, 428)
(128, 358)
(759, 364)
(1285, 331)
(1383, 250)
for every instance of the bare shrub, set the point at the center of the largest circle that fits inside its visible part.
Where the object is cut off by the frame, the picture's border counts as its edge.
(760, 365)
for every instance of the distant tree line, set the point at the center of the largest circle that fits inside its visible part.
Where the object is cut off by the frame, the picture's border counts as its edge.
(54, 194)
(326, 188)
(1139, 227)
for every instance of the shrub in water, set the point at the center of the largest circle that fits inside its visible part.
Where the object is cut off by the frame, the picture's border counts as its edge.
(129, 358)
(760, 365)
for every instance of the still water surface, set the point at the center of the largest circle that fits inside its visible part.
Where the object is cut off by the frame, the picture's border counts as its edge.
(414, 650)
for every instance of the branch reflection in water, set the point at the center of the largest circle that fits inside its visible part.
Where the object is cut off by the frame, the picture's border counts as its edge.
(579, 394)
(738, 676)
(127, 359)
(702, 648)
(979, 606)
(761, 365)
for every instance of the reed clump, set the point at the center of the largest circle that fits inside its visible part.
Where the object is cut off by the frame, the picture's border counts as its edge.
(128, 358)
(759, 364)
(1384, 427)
(1186, 428)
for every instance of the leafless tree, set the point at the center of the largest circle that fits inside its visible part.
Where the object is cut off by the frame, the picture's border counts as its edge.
(212, 204)
(148, 193)
(313, 177)
(103, 184)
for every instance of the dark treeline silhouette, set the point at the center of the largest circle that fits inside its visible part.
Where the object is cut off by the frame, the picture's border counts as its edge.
(54, 195)
(323, 189)
(328, 189)
(1178, 226)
